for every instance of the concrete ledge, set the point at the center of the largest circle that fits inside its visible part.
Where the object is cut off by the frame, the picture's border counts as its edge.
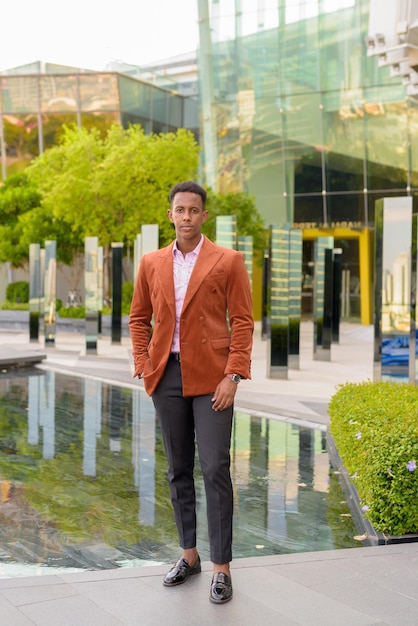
(19, 358)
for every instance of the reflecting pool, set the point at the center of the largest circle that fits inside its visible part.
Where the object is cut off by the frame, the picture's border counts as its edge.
(83, 481)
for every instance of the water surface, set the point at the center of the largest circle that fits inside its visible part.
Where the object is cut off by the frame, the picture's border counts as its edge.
(83, 481)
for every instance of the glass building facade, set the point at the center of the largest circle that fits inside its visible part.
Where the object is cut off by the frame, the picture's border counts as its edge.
(37, 100)
(296, 113)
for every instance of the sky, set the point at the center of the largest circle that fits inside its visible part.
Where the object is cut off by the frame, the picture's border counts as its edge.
(92, 33)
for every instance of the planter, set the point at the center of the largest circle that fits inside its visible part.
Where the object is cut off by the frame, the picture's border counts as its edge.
(371, 536)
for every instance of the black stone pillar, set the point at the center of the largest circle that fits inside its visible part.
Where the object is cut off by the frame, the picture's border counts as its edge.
(336, 302)
(117, 254)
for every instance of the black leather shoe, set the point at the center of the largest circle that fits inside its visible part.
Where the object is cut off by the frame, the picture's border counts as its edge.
(181, 571)
(220, 589)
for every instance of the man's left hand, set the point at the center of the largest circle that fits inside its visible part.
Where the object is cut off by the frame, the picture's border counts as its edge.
(224, 394)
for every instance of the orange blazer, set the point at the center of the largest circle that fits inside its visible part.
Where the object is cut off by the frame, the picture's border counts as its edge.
(209, 348)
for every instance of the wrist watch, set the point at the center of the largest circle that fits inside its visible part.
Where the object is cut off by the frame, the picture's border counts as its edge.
(236, 378)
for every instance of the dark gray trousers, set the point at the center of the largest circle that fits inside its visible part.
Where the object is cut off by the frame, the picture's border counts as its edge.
(185, 420)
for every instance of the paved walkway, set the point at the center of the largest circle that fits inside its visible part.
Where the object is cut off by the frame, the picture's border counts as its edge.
(352, 587)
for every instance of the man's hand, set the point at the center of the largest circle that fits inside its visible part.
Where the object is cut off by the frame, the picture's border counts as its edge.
(224, 394)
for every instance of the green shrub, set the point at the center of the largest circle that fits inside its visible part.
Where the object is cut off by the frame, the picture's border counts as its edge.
(18, 291)
(127, 293)
(72, 311)
(375, 429)
(6, 305)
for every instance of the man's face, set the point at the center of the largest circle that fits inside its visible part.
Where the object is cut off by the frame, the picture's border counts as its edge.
(187, 215)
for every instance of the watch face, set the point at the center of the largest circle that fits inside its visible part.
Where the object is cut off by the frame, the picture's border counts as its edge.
(236, 378)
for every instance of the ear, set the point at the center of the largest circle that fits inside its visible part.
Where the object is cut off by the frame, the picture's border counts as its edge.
(170, 215)
(205, 216)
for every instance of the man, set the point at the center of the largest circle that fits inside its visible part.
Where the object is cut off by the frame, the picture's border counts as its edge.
(191, 364)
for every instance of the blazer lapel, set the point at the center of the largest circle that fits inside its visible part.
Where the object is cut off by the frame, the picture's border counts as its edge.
(209, 255)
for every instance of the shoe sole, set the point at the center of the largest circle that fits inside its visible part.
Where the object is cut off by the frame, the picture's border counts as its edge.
(220, 601)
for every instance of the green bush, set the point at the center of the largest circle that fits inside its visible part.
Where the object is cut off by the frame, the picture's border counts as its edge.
(72, 311)
(6, 305)
(375, 429)
(127, 293)
(18, 291)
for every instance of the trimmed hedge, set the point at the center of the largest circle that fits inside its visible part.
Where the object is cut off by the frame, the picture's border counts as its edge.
(375, 428)
(18, 292)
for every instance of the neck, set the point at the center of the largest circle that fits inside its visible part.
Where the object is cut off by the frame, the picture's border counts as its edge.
(187, 246)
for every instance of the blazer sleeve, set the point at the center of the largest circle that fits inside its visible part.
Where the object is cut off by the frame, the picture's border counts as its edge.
(239, 302)
(140, 317)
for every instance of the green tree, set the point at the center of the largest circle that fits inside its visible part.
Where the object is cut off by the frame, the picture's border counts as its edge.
(18, 197)
(109, 187)
(242, 205)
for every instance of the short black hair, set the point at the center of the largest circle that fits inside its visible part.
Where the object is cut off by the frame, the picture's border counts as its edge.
(191, 187)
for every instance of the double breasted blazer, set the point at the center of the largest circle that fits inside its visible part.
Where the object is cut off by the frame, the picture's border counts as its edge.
(212, 343)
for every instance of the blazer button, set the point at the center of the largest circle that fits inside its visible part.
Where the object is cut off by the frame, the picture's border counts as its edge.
(204, 340)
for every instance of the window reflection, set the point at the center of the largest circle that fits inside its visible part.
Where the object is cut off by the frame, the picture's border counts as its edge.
(413, 132)
(159, 106)
(58, 93)
(386, 124)
(52, 127)
(135, 97)
(344, 136)
(129, 118)
(19, 94)
(101, 121)
(21, 140)
(99, 92)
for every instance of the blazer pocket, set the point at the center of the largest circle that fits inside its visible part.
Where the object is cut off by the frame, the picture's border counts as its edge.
(218, 344)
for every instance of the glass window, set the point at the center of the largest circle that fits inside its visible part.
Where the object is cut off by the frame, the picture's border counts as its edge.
(344, 142)
(413, 133)
(99, 92)
(58, 93)
(345, 207)
(21, 141)
(222, 20)
(386, 141)
(52, 127)
(343, 50)
(158, 127)
(304, 144)
(299, 55)
(159, 106)
(20, 94)
(309, 210)
(175, 111)
(102, 121)
(129, 118)
(350, 296)
(191, 113)
(135, 97)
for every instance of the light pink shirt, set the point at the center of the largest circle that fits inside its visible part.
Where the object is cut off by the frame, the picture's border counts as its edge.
(182, 270)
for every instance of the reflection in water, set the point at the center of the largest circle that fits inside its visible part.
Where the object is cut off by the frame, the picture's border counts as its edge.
(83, 481)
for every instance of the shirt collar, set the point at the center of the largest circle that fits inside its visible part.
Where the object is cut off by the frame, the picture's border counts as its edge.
(194, 251)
